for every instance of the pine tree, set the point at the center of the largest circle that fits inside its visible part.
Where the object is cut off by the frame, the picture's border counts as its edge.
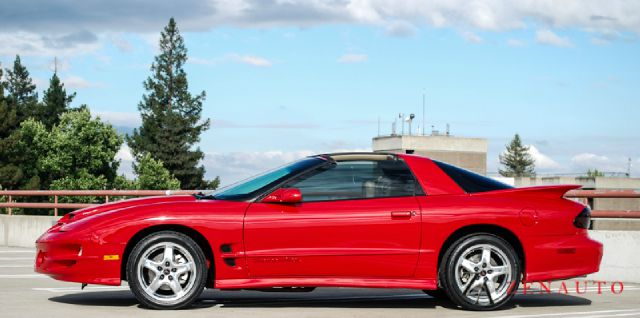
(517, 160)
(21, 91)
(55, 102)
(171, 116)
(8, 114)
(10, 173)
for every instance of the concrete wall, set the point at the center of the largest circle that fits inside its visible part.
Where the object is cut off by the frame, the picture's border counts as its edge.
(621, 261)
(23, 230)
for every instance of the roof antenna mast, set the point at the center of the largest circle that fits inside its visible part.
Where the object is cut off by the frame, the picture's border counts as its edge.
(423, 112)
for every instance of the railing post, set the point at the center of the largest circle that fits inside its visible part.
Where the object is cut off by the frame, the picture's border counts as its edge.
(106, 199)
(55, 201)
(9, 209)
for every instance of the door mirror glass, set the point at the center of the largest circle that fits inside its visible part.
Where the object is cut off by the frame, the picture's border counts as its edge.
(284, 195)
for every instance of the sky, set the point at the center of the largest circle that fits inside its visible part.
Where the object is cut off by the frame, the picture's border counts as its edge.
(287, 78)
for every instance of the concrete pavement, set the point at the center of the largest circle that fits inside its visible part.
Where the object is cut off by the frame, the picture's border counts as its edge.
(24, 293)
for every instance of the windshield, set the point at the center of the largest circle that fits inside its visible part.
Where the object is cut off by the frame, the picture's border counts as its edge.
(253, 186)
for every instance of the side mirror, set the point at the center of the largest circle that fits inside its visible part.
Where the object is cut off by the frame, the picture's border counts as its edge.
(284, 195)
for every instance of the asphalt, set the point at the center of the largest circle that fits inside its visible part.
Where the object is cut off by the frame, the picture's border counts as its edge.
(24, 293)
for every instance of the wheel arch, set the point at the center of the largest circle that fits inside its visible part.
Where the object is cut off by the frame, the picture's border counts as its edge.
(202, 242)
(493, 229)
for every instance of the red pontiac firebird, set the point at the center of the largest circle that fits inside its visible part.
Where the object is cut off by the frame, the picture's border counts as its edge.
(346, 219)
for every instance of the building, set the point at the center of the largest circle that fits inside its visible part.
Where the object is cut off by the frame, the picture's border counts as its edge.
(468, 153)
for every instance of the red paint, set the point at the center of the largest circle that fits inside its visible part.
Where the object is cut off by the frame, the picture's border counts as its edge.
(382, 242)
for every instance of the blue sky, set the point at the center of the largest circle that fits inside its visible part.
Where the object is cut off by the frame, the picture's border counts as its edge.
(296, 78)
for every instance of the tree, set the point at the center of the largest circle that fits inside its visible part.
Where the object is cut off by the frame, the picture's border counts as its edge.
(8, 114)
(80, 145)
(171, 116)
(152, 175)
(517, 160)
(21, 90)
(55, 102)
(594, 173)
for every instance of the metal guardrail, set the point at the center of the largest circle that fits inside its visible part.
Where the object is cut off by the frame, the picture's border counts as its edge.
(107, 194)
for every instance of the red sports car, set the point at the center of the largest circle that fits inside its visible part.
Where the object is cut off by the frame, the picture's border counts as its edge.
(346, 219)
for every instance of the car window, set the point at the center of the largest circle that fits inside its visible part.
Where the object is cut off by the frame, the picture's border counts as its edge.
(357, 180)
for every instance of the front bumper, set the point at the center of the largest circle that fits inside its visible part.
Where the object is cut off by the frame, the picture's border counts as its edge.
(68, 257)
(553, 258)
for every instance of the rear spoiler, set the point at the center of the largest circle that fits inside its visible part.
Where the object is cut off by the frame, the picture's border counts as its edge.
(550, 191)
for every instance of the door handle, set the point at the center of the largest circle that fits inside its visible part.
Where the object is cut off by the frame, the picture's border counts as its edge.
(402, 214)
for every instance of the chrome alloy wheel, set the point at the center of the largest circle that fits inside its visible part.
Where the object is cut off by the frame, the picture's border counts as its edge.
(483, 274)
(167, 272)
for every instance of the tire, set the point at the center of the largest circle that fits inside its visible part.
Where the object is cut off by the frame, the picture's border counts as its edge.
(438, 294)
(166, 270)
(476, 264)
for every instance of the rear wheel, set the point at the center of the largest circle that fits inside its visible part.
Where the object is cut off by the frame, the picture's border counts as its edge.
(481, 272)
(166, 270)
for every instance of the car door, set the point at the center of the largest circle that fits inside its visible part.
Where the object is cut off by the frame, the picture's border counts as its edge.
(356, 219)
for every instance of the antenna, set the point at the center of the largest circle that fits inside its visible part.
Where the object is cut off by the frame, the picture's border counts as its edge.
(401, 116)
(447, 129)
(629, 167)
(423, 112)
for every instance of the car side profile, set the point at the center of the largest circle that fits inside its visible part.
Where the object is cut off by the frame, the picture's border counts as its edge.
(376, 220)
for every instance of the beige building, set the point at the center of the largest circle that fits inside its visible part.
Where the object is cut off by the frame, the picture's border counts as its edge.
(468, 153)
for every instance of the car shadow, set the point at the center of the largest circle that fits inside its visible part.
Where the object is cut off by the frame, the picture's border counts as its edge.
(327, 299)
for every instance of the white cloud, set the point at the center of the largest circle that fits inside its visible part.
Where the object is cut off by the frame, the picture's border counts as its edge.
(547, 36)
(126, 161)
(236, 166)
(126, 119)
(353, 58)
(251, 60)
(472, 37)
(33, 44)
(542, 161)
(76, 82)
(400, 29)
(589, 160)
(516, 43)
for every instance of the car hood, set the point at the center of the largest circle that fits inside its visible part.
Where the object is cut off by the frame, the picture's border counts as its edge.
(93, 210)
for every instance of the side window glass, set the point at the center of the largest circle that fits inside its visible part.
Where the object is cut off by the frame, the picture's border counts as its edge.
(357, 180)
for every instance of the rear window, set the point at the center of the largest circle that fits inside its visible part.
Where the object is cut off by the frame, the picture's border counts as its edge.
(469, 181)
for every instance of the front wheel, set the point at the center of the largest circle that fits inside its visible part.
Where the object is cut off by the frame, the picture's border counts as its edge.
(166, 270)
(481, 272)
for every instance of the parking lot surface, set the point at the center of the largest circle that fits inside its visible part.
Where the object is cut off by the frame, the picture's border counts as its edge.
(27, 294)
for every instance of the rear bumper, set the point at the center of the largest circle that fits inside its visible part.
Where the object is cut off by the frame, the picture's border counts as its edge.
(75, 259)
(554, 258)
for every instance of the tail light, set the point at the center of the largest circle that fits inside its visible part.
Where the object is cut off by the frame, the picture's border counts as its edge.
(583, 220)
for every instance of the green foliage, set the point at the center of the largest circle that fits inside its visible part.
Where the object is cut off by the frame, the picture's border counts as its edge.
(79, 143)
(594, 173)
(82, 180)
(55, 102)
(171, 116)
(517, 160)
(152, 175)
(21, 91)
(75, 148)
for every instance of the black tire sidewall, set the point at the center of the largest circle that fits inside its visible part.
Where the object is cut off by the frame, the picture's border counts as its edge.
(185, 242)
(447, 271)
